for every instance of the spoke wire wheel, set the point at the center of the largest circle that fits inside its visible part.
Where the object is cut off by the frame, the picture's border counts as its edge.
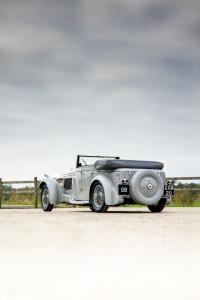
(46, 205)
(97, 198)
(45, 197)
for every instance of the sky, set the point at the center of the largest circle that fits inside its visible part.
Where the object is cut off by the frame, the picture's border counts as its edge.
(109, 77)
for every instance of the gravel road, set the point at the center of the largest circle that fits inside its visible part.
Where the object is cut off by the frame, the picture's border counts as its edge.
(127, 253)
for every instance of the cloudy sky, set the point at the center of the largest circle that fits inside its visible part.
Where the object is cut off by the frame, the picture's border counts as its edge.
(99, 77)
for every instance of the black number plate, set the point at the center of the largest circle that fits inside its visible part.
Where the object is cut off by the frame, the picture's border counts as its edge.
(169, 190)
(123, 189)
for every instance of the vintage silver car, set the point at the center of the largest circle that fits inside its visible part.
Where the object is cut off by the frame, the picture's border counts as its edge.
(109, 181)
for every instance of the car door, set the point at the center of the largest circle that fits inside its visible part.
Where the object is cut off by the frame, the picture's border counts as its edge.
(85, 182)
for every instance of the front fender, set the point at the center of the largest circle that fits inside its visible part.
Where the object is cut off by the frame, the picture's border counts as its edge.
(111, 193)
(55, 191)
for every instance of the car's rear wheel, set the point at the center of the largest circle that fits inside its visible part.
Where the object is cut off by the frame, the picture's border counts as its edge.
(159, 207)
(97, 198)
(45, 203)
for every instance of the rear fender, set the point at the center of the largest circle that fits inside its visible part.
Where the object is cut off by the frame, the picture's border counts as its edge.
(55, 190)
(111, 193)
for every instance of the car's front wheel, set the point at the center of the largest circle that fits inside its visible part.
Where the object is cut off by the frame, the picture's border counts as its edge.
(159, 207)
(45, 203)
(97, 198)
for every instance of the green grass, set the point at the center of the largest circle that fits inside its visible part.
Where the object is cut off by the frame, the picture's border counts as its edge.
(196, 204)
(28, 200)
(179, 204)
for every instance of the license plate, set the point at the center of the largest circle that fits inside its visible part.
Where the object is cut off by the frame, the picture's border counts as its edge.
(123, 189)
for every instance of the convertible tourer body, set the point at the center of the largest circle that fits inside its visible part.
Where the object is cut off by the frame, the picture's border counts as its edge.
(110, 181)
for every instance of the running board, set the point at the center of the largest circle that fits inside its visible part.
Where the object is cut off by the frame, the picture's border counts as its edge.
(69, 199)
(78, 202)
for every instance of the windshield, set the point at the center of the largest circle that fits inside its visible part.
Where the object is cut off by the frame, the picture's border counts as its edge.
(90, 160)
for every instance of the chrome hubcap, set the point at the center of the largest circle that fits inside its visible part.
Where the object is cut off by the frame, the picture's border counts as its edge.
(148, 186)
(98, 196)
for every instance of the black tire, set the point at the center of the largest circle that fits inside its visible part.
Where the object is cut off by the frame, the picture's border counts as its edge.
(97, 198)
(159, 207)
(46, 205)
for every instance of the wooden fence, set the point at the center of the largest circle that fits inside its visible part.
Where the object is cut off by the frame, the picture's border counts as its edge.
(35, 189)
(174, 179)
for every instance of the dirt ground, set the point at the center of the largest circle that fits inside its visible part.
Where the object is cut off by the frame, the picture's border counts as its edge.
(127, 253)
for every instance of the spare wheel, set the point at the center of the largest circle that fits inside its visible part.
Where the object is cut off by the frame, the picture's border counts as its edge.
(146, 187)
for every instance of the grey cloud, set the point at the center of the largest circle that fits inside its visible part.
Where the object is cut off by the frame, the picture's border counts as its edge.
(70, 58)
(98, 76)
(161, 11)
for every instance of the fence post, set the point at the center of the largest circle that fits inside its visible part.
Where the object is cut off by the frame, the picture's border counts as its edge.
(35, 192)
(1, 191)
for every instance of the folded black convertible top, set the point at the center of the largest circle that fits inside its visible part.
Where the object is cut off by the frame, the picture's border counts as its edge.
(132, 164)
